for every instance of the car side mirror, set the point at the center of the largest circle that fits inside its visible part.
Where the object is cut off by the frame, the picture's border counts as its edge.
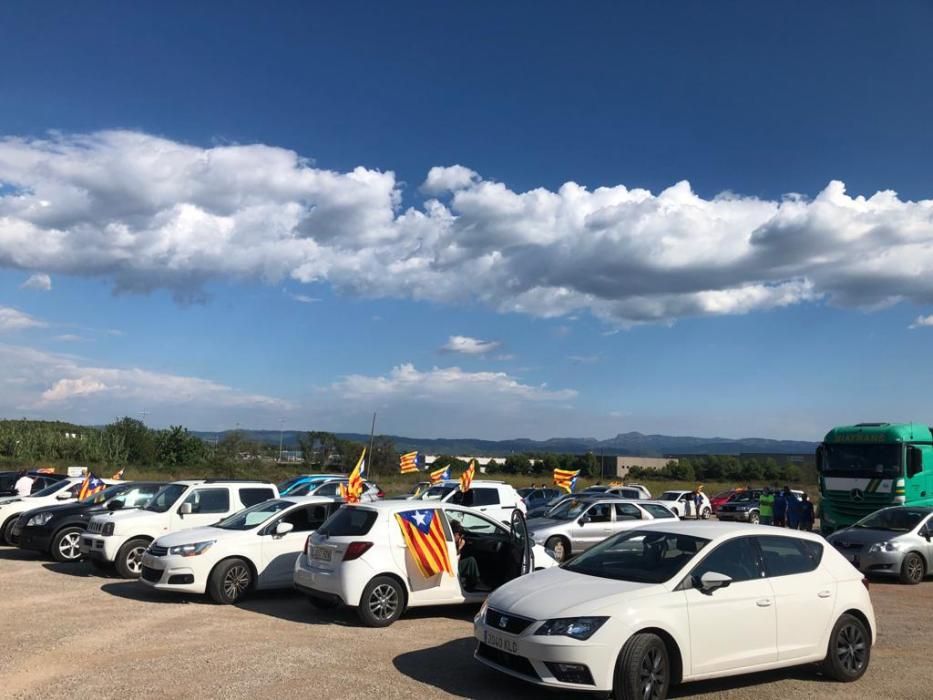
(711, 581)
(915, 461)
(115, 504)
(64, 495)
(927, 532)
(185, 509)
(584, 520)
(284, 528)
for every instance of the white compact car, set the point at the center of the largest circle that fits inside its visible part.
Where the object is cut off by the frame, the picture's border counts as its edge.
(64, 491)
(121, 537)
(253, 549)
(496, 499)
(678, 602)
(682, 503)
(360, 558)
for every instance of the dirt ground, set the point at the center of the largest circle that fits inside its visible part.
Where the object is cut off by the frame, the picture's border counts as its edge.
(65, 632)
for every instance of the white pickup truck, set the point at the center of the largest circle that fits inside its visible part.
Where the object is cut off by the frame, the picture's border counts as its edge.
(121, 537)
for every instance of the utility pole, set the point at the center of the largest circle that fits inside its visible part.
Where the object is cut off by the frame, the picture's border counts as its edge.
(142, 415)
(372, 432)
(281, 437)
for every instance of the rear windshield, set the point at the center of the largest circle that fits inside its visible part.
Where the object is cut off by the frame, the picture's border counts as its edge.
(437, 493)
(349, 521)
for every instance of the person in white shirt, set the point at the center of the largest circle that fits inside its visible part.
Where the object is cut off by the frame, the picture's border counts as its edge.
(24, 485)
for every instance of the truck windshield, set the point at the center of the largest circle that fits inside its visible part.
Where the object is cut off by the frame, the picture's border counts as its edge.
(873, 461)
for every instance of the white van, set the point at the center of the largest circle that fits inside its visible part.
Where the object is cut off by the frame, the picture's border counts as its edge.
(121, 537)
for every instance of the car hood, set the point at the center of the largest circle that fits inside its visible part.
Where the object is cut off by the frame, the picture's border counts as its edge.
(195, 534)
(131, 515)
(69, 508)
(858, 535)
(557, 592)
(538, 524)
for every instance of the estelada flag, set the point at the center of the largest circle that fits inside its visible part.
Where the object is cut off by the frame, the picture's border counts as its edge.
(440, 474)
(408, 463)
(466, 479)
(90, 486)
(424, 536)
(119, 475)
(566, 479)
(352, 492)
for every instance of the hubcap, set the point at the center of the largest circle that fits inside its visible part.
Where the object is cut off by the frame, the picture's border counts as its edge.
(383, 602)
(236, 582)
(69, 546)
(134, 560)
(850, 649)
(914, 569)
(652, 675)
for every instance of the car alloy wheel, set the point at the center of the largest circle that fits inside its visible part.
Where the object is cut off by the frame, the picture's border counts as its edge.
(236, 581)
(69, 546)
(912, 569)
(851, 648)
(134, 560)
(653, 674)
(383, 602)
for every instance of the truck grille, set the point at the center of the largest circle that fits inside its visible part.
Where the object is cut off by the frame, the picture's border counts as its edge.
(95, 527)
(845, 507)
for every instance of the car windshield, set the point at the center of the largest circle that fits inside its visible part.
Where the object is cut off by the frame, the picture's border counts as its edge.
(527, 491)
(670, 495)
(893, 519)
(569, 509)
(52, 488)
(106, 494)
(437, 493)
(166, 497)
(870, 461)
(744, 497)
(288, 483)
(254, 516)
(640, 556)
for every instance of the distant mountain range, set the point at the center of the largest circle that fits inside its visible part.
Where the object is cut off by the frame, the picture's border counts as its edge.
(622, 444)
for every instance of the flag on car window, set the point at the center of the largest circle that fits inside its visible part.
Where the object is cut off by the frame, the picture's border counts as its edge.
(566, 479)
(466, 479)
(408, 463)
(424, 536)
(119, 475)
(90, 486)
(353, 490)
(440, 474)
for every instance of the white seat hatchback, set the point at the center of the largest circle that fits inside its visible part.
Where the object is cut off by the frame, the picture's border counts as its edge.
(361, 557)
(675, 602)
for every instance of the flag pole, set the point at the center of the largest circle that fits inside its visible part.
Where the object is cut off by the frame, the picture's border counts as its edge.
(372, 432)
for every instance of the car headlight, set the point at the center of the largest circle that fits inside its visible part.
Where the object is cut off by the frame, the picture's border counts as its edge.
(191, 550)
(890, 546)
(576, 627)
(107, 529)
(481, 615)
(38, 520)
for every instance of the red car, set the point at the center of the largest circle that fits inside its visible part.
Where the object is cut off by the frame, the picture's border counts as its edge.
(720, 498)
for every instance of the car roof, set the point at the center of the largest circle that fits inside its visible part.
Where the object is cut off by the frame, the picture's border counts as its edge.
(310, 500)
(475, 482)
(394, 506)
(712, 529)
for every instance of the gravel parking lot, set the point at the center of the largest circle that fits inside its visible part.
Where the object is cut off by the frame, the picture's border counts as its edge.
(65, 632)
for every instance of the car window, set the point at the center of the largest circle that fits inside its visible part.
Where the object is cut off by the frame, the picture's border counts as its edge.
(209, 500)
(349, 521)
(250, 497)
(307, 519)
(599, 513)
(328, 489)
(738, 559)
(626, 511)
(479, 497)
(473, 523)
(657, 511)
(785, 556)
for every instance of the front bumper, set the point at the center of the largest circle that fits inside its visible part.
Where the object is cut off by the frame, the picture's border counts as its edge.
(875, 563)
(733, 515)
(172, 573)
(527, 657)
(38, 539)
(99, 547)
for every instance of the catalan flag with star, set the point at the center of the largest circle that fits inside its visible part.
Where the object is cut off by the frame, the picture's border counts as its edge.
(424, 536)
(90, 486)
(439, 475)
(566, 479)
(466, 479)
(408, 463)
(353, 490)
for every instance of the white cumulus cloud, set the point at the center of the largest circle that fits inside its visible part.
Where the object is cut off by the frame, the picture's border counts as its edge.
(13, 320)
(922, 321)
(39, 281)
(147, 212)
(469, 346)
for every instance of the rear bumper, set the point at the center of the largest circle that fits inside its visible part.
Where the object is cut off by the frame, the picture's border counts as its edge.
(345, 582)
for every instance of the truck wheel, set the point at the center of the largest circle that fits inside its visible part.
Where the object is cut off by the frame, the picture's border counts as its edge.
(849, 650)
(753, 517)
(66, 545)
(643, 669)
(559, 546)
(912, 569)
(382, 602)
(230, 581)
(129, 561)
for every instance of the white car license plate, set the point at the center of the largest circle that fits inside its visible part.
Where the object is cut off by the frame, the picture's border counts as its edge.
(321, 553)
(497, 641)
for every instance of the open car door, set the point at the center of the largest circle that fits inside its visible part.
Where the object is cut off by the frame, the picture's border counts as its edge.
(521, 544)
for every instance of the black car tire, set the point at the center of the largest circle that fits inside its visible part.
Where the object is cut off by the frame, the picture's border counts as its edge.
(382, 603)
(65, 545)
(128, 558)
(642, 661)
(6, 535)
(754, 518)
(849, 650)
(230, 581)
(912, 569)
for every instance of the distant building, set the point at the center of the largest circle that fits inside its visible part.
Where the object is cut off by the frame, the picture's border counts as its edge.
(619, 467)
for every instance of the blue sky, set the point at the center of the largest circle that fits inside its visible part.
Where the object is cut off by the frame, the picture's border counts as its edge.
(232, 214)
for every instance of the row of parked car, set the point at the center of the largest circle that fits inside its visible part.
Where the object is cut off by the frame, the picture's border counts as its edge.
(634, 607)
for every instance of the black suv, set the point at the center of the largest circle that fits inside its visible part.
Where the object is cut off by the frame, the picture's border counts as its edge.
(56, 530)
(39, 481)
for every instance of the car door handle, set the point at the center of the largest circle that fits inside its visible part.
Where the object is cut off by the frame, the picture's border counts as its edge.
(824, 594)
(764, 603)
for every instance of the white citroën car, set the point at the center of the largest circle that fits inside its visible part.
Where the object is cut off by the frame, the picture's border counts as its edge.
(676, 602)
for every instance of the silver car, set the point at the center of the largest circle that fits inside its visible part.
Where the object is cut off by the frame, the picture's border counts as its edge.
(895, 541)
(578, 523)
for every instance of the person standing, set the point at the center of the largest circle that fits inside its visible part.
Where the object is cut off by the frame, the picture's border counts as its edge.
(793, 509)
(698, 501)
(23, 485)
(780, 509)
(766, 507)
(807, 514)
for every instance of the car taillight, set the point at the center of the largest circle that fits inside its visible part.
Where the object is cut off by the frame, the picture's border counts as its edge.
(308, 546)
(381, 493)
(356, 549)
(866, 584)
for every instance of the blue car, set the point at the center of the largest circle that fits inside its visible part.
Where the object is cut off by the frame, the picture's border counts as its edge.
(289, 485)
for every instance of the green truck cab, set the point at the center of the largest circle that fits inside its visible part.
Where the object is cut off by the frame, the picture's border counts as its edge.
(868, 466)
